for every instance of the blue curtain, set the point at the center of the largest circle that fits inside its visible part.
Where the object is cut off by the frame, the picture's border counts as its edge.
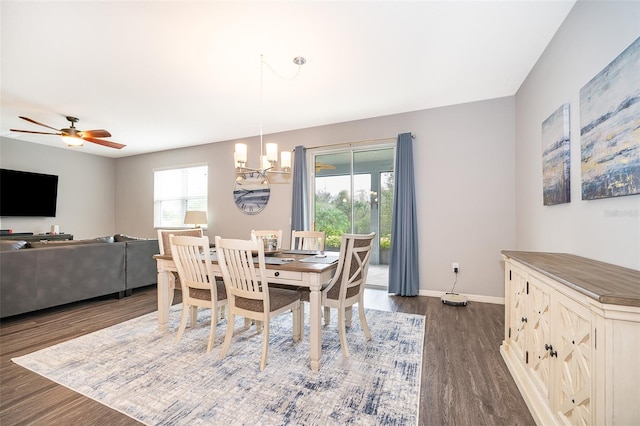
(404, 278)
(299, 196)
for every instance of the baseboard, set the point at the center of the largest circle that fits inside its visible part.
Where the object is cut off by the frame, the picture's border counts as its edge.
(470, 297)
(432, 293)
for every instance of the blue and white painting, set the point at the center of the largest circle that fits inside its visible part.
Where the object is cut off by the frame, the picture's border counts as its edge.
(556, 153)
(610, 128)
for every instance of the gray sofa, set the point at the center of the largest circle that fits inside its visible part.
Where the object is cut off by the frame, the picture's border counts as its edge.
(41, 275)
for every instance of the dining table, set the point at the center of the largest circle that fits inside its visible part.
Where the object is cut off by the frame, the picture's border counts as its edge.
(297, 268)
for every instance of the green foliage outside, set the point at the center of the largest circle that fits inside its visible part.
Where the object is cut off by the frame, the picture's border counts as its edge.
(333, 214)
(386, 209)
(385, 242)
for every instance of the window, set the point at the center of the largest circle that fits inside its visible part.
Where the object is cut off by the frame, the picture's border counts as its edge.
(177, 190)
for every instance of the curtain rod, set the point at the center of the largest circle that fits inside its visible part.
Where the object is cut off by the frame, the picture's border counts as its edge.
(358, 142)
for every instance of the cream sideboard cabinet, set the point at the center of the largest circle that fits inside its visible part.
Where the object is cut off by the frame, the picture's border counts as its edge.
(572, 338)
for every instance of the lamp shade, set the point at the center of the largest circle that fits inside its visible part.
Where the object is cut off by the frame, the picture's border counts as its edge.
(195, 217)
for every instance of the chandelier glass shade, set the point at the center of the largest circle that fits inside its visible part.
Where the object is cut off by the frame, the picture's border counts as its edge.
(267, 162)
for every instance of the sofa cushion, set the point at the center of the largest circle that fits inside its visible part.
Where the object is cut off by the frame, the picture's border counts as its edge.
(106, 239)
(45, 243)
(122, 237)
(6, 245)
(53, 243)
(79, 272)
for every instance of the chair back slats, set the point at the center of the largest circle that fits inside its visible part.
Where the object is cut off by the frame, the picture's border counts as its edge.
(248, 296)
(308, 240)
(353, 266)
(193, 260)
(235, 258)
(346, 288)
(360, 254)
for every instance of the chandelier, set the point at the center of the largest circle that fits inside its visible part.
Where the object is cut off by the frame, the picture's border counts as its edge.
(268, 161)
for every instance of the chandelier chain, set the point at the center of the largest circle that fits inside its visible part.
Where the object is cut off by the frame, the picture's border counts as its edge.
(267, 162)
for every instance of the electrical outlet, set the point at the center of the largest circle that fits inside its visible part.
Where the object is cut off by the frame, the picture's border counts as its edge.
(455, 267)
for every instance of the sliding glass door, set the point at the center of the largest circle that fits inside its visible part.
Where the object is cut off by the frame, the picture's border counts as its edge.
(354, 194)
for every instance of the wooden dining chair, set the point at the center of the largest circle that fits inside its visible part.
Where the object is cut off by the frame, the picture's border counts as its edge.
(265, 233)
(308, 240)
(199, 285)
(165, 249)
(249, 294)
(346, 288)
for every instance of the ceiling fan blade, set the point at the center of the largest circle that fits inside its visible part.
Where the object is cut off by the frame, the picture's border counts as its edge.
(105, 143)
(100, 133)
(37, 133)
(38, 123)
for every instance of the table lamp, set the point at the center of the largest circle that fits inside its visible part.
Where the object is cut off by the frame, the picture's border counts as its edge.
(195, 218)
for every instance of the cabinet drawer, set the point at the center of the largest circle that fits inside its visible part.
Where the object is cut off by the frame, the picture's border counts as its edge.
(284, 275)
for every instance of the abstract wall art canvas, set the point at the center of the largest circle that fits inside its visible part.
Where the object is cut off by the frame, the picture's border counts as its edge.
(610, 128)
(556, 153)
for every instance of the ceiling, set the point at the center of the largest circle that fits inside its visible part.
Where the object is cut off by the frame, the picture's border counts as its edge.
(168, 74)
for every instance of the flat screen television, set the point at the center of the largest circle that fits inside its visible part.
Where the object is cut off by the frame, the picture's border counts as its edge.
(27, 194)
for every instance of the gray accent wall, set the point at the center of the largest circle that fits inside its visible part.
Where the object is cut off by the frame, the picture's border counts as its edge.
(464, 162)
(593, 34)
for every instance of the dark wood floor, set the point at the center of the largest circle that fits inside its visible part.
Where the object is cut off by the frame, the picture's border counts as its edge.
(464, 380)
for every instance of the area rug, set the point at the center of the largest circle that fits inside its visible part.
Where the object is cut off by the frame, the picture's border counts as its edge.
(141, 372)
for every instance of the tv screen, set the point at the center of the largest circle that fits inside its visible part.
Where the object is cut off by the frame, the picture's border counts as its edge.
(27, 194)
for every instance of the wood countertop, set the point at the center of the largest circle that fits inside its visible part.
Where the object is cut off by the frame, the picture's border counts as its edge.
(604, 282)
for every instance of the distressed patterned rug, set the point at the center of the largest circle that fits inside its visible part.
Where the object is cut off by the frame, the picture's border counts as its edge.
(139, 371)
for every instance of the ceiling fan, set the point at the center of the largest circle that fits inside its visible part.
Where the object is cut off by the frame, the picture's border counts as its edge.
(73, 136)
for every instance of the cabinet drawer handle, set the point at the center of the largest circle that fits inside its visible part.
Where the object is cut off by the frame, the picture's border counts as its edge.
(277, 274)
(524, 319)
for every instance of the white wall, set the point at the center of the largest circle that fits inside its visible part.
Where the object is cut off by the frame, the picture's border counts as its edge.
(464, 160)
(593, 34)
(86, 188)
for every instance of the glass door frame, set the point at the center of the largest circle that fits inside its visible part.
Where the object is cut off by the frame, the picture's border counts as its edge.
(352, 149)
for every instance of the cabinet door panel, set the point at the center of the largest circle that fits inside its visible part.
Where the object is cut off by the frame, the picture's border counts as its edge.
(539, 336)
(574, 344)
(519, 313)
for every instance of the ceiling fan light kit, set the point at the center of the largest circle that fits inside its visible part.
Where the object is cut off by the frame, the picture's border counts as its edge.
(72, 136)
(72, 141)
(268, 161)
